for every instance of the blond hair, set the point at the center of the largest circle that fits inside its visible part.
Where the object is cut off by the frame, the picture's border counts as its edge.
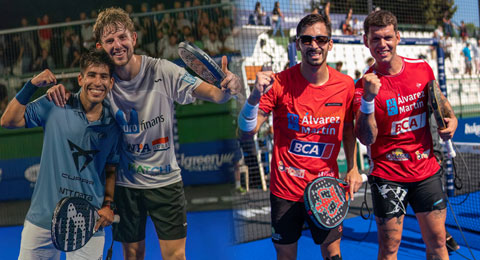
(113, 18)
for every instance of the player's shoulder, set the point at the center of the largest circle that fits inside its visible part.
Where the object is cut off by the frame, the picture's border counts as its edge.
(335, 74)
(415, 62)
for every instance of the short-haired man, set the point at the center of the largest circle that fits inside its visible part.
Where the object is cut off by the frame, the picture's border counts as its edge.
(79, 154)
(394, 92)
(148, 179)
(312, 109)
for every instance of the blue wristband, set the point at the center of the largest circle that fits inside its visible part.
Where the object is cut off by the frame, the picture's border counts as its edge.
(24, 95)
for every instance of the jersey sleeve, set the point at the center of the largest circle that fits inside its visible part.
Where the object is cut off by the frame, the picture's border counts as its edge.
(37, 111)
(349, 115)
(182, 83)
(357, 97)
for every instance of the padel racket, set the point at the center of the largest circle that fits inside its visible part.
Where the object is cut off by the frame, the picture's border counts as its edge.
(436, 104)
(200, 62)
(73, 223)
(326, 201)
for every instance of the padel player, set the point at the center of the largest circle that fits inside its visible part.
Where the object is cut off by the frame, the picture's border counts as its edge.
(394, 94)
(148, 179)
(79, 154)
(312, 112)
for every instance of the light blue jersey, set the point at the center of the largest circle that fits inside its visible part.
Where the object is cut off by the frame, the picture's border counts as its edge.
(74, 155)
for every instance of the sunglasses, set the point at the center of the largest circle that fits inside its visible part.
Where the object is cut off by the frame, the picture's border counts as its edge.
(307, 39)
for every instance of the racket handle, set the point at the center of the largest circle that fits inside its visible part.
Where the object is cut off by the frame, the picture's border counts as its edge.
(450, 151)
(116, 218)
(364, 177)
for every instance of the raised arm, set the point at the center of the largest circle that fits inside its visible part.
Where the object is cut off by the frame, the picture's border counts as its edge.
(230, 86)
(365, 124)
(250, 118)
(14, 115)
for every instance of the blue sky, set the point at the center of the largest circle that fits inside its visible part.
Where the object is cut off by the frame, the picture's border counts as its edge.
(467, 11)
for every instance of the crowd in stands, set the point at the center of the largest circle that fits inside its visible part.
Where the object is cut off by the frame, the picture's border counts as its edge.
(159, 32)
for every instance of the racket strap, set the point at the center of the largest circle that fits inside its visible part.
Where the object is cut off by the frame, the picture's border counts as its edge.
(110, 251)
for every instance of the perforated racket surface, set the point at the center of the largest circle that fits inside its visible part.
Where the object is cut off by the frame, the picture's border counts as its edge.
(326, 202)
(73, 223)
(200, 62)
(437, 107)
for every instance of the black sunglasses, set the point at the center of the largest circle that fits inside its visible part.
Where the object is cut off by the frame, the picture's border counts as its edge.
(307, 39)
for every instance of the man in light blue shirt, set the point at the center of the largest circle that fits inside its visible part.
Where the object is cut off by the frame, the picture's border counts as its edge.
(79, 153)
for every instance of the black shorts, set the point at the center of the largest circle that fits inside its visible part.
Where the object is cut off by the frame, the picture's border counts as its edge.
(164, 205)
(288, 218)
(390, 198)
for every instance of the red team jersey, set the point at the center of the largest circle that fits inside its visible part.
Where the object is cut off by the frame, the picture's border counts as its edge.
(308, 125)
(403, 150)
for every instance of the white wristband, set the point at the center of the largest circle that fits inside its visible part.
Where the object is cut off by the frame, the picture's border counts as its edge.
(247, 119)
(367, 107)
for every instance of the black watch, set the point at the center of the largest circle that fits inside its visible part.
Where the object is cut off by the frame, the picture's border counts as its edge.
(109, 203)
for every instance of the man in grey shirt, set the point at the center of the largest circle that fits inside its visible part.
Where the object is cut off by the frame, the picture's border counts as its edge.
(142, 99)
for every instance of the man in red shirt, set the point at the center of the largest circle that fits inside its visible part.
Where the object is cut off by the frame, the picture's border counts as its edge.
(312, 112)
(394, 92)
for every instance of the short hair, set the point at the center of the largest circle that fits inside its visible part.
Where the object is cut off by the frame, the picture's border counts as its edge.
(115, 17)
(312, 19)
(380, 18)
(96, 57)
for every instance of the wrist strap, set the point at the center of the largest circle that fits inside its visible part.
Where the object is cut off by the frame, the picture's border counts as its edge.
(24, 95)
(247, 119)
(367, 107)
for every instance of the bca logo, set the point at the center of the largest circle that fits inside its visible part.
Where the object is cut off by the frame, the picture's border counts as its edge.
(311, 149)
(409, 124)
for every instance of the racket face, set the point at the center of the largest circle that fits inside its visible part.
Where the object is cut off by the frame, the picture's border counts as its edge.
(201, 63)
(434, 99)
(325, 202)
(73, 223)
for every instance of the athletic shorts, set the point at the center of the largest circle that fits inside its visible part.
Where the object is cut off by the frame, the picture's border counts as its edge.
(390, 198)
(37, 243)
(288, 218)
(164, 205)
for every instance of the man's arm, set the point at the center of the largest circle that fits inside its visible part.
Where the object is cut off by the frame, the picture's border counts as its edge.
(365, 124)
(353, 177)
(14, 115)
(230, 86)
(106, 212)
(450, 119)
(251, 118)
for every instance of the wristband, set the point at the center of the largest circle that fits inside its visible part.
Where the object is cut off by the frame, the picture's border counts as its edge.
(24, 95)
(367, 107)
(247, 119)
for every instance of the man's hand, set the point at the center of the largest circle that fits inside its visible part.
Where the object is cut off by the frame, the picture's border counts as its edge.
(45, 78)
(354, 180)
(447, 133)
(371, 86)
(106, 217)
(58, 94)
(231, 83)
(263, 84)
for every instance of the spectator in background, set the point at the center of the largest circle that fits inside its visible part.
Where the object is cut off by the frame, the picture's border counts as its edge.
(86, 32)
(45, 35)
(27, 40)
(338, 66)
(148, 30)
(44, 61)
(468, 58)
(182, 22)
(162, 42)
(171, 51)
(347, 24)
(277, 17)
(463, 31)
(259, 13)
(212, 45)
(357, 27)
(476, 55)
(370, 61)
(358, 75)
(447, 25)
